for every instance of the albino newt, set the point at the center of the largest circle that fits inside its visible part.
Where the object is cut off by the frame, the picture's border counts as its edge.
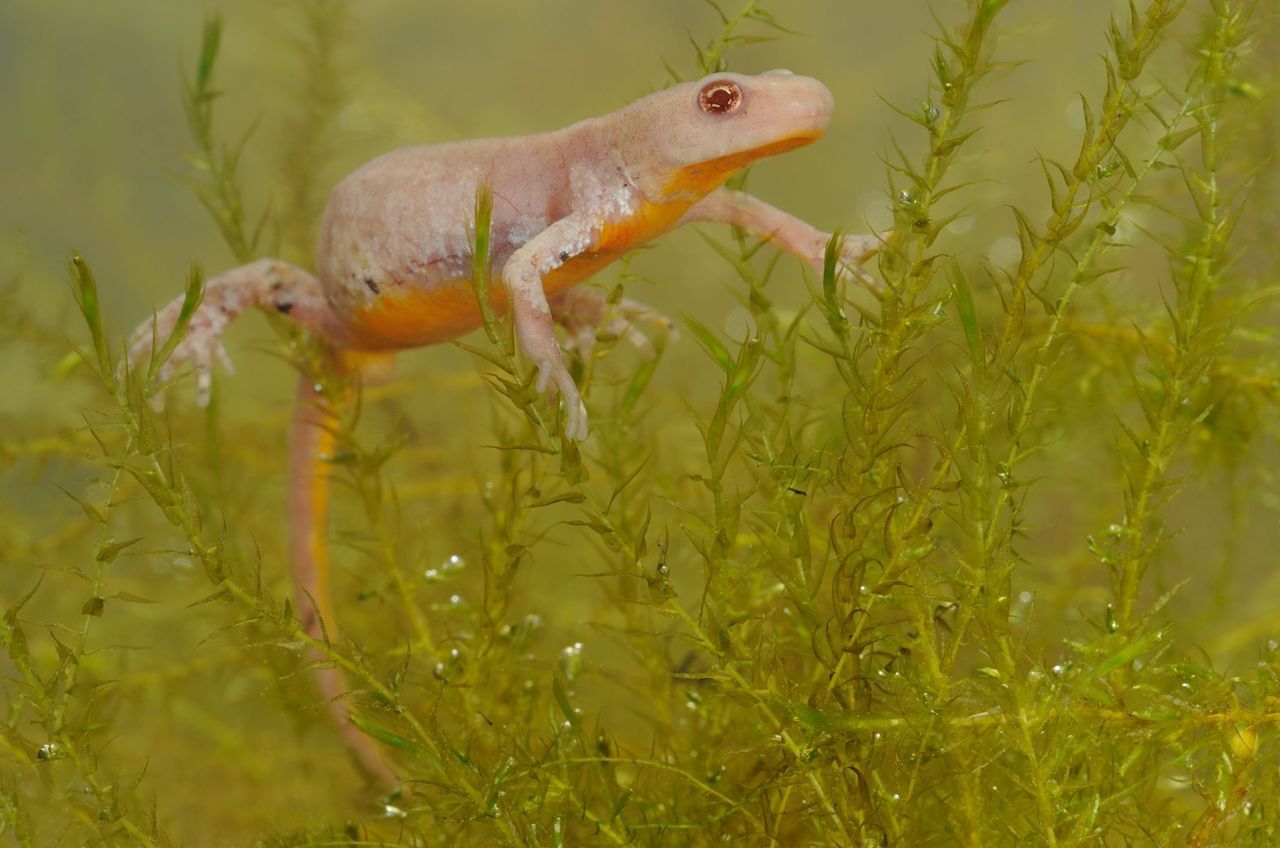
(394, 262)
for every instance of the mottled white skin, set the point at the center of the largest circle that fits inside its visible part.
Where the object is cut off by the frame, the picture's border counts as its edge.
(401, 226)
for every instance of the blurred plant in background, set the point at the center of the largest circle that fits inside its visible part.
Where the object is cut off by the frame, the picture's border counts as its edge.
(973, 559)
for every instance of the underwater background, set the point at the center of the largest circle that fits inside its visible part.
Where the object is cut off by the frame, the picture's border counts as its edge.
(985, 558)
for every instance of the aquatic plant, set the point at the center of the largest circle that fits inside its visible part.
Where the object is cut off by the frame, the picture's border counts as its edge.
(939, 563)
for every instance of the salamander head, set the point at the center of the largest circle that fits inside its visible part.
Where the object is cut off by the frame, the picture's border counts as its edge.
(685, 141)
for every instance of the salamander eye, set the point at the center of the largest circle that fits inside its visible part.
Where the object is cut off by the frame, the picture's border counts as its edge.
(720, 96)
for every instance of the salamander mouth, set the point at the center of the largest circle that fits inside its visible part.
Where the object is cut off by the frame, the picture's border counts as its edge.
(701, 178)
(791, 142)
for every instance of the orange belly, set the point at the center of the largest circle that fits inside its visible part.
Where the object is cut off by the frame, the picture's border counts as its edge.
(412, 315)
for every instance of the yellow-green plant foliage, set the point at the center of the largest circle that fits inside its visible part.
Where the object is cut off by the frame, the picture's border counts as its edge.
(983, 557)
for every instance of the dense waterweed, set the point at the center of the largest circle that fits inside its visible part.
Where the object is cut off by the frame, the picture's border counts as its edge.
(846, 614)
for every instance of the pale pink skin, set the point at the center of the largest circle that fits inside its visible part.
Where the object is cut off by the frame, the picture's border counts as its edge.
(398, 231)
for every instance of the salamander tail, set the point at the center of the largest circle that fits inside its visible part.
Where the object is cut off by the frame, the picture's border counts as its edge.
(315, 425)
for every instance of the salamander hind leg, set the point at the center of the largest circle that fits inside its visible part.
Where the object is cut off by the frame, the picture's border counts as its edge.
(267, 283)
(587, 313)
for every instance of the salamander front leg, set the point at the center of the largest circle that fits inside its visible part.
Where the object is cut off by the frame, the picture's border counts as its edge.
(535, 329)
(783, 229)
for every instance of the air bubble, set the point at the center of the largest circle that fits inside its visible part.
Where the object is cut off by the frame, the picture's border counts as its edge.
(1074, 114)
(1004, 251)
(876, 212)
(571, 660)
(738, 325)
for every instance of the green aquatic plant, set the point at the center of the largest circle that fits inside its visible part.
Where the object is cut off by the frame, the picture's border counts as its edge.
(932, 562)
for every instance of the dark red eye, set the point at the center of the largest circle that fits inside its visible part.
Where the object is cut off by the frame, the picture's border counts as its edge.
(722, 96)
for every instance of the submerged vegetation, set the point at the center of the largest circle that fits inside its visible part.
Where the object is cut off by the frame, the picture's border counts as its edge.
(969, 559)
